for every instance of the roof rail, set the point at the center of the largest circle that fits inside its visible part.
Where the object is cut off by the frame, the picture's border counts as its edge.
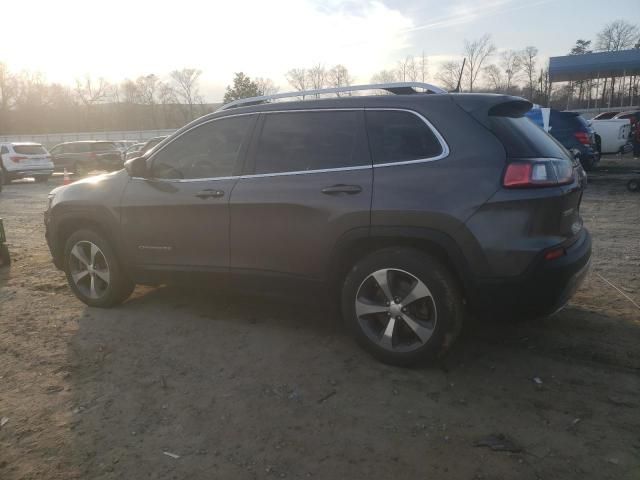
(399, 88)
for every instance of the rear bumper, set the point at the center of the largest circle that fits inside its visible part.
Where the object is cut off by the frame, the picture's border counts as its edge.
(545, 287)
(30, 172)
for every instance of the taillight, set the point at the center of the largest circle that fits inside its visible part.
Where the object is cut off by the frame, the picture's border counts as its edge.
(583, 138)
(17, 159)
(547, 172)
(555, 253)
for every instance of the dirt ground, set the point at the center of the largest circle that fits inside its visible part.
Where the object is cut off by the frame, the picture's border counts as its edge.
(184, 385)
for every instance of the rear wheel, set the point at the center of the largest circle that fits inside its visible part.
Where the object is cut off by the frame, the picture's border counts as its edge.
(93, 271)
(6, 180)
(41, 178)
(402, 305)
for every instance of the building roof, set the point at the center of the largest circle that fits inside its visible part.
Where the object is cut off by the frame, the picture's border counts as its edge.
(594, 65)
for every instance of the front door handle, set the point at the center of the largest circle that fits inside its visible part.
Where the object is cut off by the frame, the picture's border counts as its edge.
(338, 189)
(209, 193)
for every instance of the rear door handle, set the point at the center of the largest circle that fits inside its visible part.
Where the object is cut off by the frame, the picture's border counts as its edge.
(210, 193)
(338, 189)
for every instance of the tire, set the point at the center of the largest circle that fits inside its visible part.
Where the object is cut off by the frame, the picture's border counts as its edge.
(6, 180)
(91, 287)
(5, 256)
(425, 328)
(587, 164)
(633, 185)
(41, 178)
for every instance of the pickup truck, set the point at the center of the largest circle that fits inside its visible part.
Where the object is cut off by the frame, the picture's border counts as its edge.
(614, 135)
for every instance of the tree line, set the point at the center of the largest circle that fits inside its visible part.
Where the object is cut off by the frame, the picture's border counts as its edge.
(29, 104)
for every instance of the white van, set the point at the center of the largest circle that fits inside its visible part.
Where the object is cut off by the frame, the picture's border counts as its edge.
(24, 159)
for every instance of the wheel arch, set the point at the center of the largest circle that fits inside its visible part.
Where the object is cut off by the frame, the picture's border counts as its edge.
(357, 244)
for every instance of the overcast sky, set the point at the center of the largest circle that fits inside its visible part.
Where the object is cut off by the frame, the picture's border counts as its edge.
(66, 39)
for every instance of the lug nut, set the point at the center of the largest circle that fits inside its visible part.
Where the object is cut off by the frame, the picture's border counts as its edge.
(397, 299)
(398, 317)
(404, 309)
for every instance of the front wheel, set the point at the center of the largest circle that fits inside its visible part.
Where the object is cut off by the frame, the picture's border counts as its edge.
(402, 305)
(93, 271)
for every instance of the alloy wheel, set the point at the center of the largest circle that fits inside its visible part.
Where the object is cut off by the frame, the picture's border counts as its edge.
(89, 269)
(396, 310)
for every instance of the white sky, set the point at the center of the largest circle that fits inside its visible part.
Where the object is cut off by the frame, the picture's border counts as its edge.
(66, 39)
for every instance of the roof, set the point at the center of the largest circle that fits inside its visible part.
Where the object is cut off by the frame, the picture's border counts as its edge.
(594, 65)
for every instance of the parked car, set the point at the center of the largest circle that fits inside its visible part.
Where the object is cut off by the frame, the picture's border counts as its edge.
(605, 115)
(133, 151)
(124, 145)
(411, 209)
(86, 155)
(575, 134)
(24, 159)
(614, 135)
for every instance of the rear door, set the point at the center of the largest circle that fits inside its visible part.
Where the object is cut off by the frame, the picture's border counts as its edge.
(178, 218)
(309, 183)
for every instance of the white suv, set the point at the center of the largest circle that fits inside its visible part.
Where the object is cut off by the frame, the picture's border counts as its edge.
(24, 159)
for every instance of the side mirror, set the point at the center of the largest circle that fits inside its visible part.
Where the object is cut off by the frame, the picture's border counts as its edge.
(136, 167)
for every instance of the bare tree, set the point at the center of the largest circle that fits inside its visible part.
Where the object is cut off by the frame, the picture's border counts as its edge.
(407, 70)
(266, 86)
(495, 78)
(298, 79)
(317, 77)
(617, 35)
(385, 76)
(90, 91)
(511, 63)
(186, 87)
(529, 60)
(477, 52)
(339, 76)
(449, 74)
(422, 67)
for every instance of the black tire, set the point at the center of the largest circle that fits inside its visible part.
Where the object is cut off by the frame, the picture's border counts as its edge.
(445, 297)
(633, 185)
(5, 256)
(120, 285)
(587, 164)
(6, 180)
(41, 178)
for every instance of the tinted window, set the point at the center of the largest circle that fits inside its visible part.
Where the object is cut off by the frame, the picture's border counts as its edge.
(4, 150)
(77, 147)
(399, 137)
(103, 147)
(524, 139)
(300, 141)
(207, 151)
(29, 149)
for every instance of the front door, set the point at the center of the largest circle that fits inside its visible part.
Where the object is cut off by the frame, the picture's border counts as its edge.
(178, 217)
(309, 183)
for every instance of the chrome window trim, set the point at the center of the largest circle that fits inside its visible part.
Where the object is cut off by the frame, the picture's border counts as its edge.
(443, 144)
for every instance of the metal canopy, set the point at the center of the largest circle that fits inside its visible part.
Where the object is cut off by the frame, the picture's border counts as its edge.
(594, 65)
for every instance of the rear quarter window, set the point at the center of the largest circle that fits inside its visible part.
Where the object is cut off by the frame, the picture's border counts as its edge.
(29, 149)
(398, 136)
(103, 147)
(522, 138)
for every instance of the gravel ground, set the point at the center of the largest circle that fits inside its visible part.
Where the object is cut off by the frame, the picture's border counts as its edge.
(186, 385)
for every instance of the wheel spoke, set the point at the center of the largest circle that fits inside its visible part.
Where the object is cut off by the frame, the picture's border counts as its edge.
(77, 252)
(382, 277)
(92, 289)
(363, 308)
(422, 332)
(77, 276)
(103, 274)
(94, 251)
(418, 292)
(387, 336)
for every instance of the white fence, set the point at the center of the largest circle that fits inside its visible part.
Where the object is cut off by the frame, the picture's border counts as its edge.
(51, 139)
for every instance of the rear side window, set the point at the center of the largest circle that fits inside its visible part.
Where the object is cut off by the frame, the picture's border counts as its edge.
(77, 147)
(522, 138)
(396, 136)
(29, 149)
(103, 147)
(301, 141)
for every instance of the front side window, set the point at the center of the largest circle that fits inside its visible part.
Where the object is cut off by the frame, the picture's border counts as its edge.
(397, 136)
(208, 151)
(302, 141)
(104, 147)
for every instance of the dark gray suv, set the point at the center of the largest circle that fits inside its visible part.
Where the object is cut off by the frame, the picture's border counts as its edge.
(414, 209)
